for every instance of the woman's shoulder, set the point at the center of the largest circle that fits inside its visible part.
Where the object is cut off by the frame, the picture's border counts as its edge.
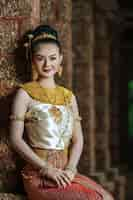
(21, 96)
(67, 91)
(28, 85)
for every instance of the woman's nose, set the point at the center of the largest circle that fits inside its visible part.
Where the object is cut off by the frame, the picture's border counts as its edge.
(46, 62)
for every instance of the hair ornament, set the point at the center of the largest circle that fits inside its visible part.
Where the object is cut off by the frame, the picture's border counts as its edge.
(26, 44)
(30, 36)
(45, 36)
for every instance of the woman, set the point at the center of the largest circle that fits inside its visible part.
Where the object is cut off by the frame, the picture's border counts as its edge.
(50, 115)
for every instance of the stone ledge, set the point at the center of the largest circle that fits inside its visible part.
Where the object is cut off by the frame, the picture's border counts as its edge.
(9, 196)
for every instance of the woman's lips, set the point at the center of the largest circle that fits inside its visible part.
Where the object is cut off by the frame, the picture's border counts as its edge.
(47, 70)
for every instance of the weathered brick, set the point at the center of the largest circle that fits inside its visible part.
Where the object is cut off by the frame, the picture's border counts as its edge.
(24, 26)
(14, 7)
(7, 68)
(8, 36)
(9, 196)
(13, 69)
(55, 11)
(80, 7)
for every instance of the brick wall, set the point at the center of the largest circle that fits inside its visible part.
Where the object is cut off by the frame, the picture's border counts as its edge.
(15, 19)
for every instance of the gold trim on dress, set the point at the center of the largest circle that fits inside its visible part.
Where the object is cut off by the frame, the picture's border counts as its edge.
(44, 153)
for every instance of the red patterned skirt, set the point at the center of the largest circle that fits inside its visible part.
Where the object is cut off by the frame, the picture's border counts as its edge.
(81, 188)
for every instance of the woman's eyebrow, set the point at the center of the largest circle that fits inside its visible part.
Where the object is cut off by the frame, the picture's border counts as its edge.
(53, 54)
(40, 55)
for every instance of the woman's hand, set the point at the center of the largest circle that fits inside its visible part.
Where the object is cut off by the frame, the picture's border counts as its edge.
(61, 177)
(69, 174)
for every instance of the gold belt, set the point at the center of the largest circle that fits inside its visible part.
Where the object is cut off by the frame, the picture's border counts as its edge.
(45, 153)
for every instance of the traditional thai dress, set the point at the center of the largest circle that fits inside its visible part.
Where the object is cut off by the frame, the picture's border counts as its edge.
(49, 124)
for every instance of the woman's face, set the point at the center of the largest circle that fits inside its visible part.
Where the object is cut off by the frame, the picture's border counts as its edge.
(47, 59)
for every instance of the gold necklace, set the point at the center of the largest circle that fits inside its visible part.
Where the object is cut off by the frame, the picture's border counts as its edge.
(52, 93)
(58, 95)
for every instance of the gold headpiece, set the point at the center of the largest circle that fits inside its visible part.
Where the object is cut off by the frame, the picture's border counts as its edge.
(44, 36)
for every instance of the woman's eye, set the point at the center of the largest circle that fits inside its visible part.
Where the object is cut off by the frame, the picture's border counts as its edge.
(39, 58)
(53, 58)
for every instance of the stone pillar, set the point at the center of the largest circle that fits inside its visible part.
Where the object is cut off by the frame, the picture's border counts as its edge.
(83, 77)
(115, 95)
(102, 92)
(59, 14)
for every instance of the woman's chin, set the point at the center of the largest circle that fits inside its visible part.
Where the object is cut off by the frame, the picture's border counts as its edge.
(47, 74)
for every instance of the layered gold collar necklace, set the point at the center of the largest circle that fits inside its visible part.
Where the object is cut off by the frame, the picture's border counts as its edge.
(56, 96)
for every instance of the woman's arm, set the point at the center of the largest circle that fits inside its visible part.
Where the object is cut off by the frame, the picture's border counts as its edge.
(19, 108)
(77, 139)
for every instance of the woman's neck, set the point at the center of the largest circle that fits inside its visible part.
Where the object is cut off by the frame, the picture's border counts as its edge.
(47, 83)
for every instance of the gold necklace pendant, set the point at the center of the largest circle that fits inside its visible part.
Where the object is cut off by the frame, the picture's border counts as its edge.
(49, 93)
(51, 99)
(56, 113)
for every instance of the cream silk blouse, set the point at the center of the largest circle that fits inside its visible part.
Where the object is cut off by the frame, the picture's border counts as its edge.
(49, 126)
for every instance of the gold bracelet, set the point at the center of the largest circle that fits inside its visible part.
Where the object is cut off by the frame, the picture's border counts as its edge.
(14, 117)
(44, 170)
(72, 169)
(78, 118)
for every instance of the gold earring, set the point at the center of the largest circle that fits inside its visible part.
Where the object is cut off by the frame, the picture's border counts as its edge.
(34, 73)
(60, 70)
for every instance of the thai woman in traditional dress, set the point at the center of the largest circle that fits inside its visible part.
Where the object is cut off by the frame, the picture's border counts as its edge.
(49, 113)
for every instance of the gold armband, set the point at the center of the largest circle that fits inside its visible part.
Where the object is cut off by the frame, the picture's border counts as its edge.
(78, 118)
(17, 118)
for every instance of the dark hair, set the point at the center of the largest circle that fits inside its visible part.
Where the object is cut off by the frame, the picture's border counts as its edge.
(44, 29)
